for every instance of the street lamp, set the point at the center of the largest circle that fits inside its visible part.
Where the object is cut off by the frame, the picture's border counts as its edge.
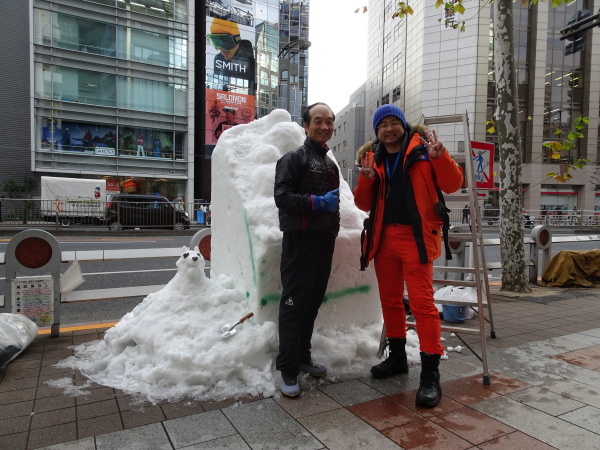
(301, 43)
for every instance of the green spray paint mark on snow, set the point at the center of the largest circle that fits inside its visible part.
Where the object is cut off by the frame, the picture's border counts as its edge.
(250, 247)
(269, 298)
(335, 295)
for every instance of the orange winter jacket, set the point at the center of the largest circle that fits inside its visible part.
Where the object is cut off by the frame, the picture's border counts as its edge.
(420, 193)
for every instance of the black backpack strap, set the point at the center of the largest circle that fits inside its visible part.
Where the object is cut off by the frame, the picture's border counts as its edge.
(444, 214)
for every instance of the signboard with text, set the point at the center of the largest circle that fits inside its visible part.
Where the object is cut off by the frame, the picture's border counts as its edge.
(33, 297)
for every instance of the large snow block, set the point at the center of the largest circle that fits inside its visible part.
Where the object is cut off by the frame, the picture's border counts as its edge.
(246, 240)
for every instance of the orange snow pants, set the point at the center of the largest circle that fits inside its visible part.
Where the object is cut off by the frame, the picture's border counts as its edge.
(397, 261)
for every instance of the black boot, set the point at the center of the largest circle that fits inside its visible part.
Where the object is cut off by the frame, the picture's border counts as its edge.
(396, 363)
(430, 391)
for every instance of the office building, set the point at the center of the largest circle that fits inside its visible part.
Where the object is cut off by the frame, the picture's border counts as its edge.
(429, 69)
(99, 89)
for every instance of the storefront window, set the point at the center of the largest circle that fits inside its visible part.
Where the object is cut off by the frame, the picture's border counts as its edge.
(145, 142)
(70, 136)
(58, 135)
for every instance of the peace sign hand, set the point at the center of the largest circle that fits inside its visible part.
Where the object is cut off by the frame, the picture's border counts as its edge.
(366, 161)
(435, 148)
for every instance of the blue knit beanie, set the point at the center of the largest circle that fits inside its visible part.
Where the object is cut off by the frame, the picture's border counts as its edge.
(387, 110)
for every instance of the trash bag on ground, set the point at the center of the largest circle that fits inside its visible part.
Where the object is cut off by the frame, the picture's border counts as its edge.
(16, 333)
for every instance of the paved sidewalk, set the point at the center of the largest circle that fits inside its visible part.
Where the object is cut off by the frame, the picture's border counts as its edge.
(545, 393)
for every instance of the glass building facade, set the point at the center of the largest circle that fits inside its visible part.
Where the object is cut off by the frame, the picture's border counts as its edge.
(110, 91)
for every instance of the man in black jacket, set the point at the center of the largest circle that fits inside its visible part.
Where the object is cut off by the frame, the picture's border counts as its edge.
(307, 185)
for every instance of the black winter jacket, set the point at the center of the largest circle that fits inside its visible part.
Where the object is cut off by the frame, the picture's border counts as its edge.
(300, 173)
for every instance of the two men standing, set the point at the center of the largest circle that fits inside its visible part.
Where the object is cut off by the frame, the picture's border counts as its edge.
(398, 185)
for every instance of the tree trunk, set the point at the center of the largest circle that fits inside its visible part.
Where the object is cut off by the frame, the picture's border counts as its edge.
(512, 251)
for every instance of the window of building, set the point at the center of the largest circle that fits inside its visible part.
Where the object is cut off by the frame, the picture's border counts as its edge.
(345, 145)
(385, 99)
(345, 126)
(100, 38)
(99, 139)
(386, 41)
(397, 30)
(386, 71)
(396, 93)
(396, 62)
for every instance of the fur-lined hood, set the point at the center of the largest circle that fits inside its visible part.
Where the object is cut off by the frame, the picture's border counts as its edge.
(368, 146)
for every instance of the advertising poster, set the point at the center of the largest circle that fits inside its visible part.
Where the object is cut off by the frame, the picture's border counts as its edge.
(225, 110)
(230, 56)
(483, 164)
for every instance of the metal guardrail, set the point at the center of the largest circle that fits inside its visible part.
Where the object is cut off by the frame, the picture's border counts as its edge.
(539, 241)
(531, 218)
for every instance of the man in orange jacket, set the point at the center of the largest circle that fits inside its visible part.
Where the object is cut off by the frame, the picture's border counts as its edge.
(397, 184)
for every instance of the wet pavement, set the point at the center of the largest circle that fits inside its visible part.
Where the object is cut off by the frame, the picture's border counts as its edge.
(544, 393)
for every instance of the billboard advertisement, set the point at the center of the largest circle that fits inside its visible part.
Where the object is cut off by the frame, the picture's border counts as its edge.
(225, 110)
(230, 56)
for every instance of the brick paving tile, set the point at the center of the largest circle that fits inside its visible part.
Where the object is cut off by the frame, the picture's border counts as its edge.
(384, 413)
(423, 434)
(472, 425)
(515, 440)
(501, 384)
(99, 425)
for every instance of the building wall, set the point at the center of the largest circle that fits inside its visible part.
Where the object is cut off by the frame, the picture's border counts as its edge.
(15, 113)
(349, 135)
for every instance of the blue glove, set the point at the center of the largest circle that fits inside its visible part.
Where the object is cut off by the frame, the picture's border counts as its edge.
(327, 202)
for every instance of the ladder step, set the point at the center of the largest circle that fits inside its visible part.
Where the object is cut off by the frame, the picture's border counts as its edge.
(457, 197)
(454, 269)
(451, 329)
(456, 236)
(458, 303)
(456, 283)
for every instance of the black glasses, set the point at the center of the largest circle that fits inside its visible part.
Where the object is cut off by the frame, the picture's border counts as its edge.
(223, 40)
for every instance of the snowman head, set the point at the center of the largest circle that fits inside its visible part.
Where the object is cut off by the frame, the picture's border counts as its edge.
(191, 263)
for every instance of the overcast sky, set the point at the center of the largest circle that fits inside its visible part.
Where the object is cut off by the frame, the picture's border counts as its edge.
(337, 56)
